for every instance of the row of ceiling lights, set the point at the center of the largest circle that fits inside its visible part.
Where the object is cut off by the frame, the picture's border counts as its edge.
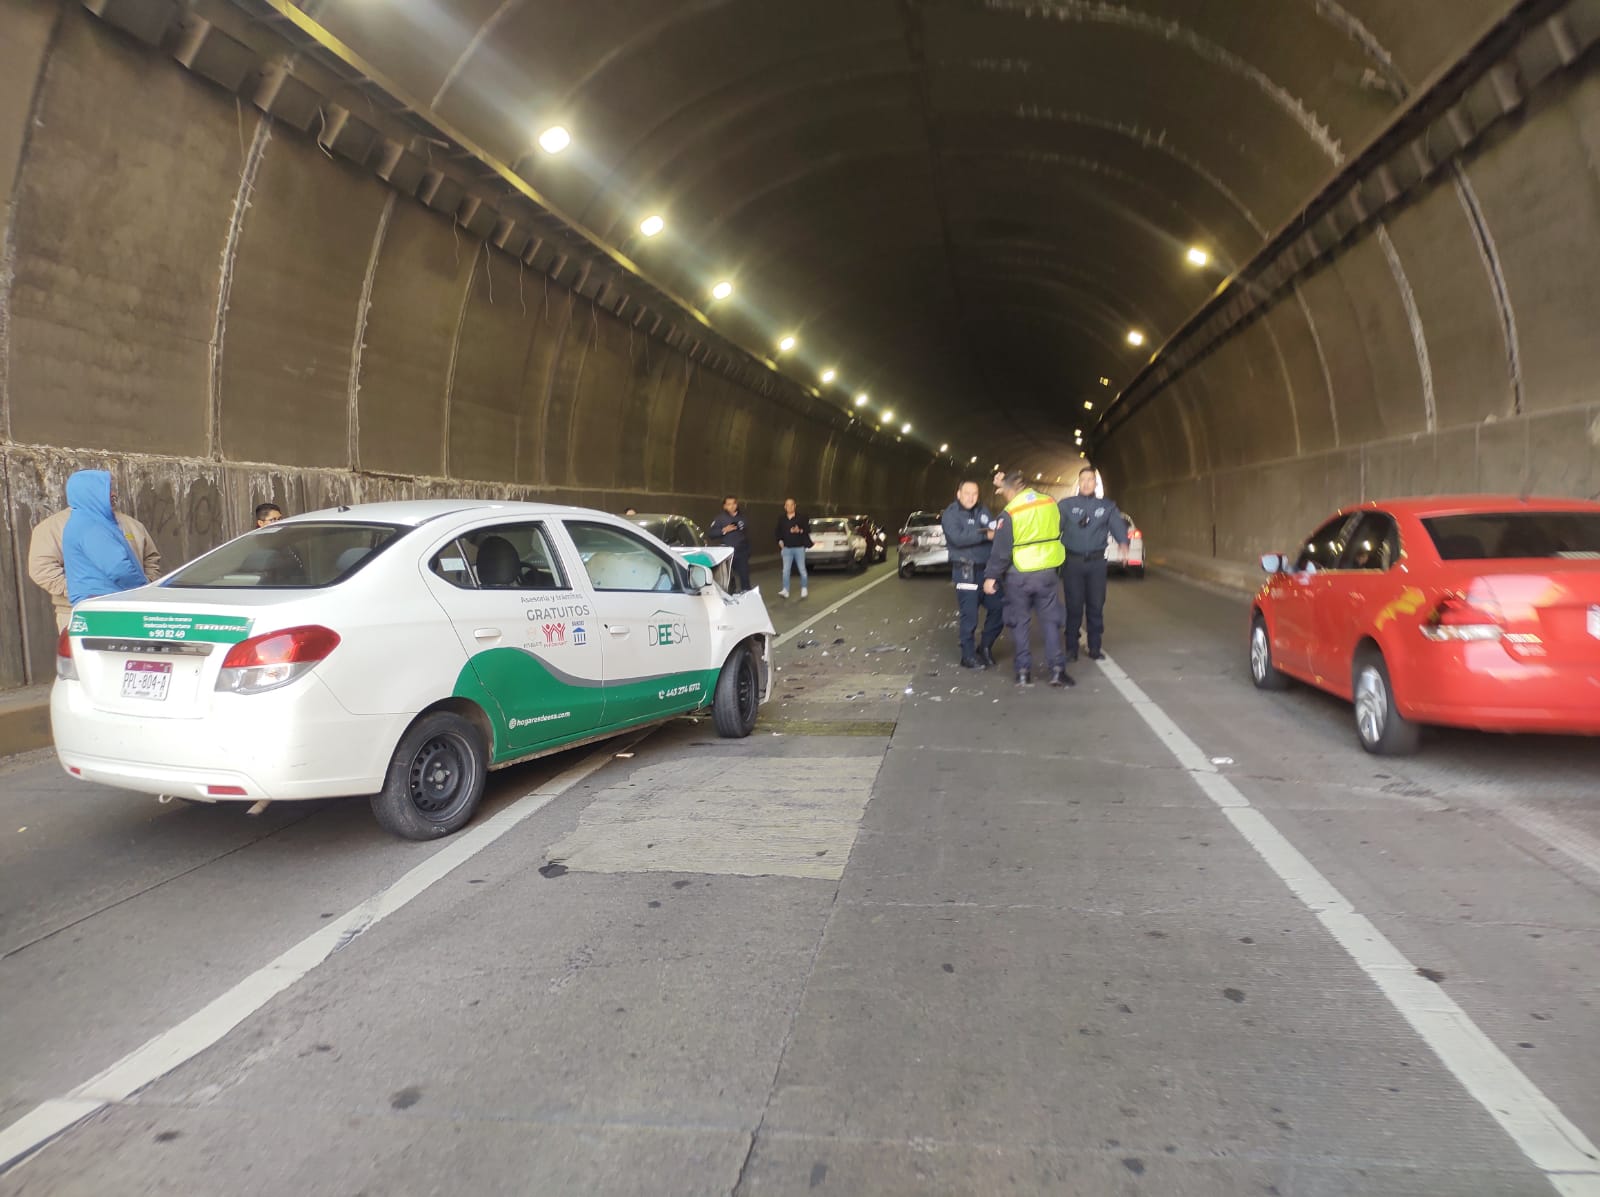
(556, 139)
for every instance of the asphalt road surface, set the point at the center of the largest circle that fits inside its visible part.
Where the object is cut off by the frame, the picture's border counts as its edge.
(920, 933)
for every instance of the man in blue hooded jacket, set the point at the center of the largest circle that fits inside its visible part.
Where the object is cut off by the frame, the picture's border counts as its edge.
(95, 551)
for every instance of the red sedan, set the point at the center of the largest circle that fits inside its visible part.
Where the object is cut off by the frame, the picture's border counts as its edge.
(1477, 612)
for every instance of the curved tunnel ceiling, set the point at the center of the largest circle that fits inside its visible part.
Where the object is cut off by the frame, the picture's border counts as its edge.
(963, 205)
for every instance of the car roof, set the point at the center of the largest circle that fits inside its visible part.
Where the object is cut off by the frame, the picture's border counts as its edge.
(656, 515)
(1428, 506)
(413, 512)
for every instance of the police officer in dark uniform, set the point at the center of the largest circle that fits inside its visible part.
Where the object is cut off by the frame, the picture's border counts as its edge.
(1086, 525)
(968, 531)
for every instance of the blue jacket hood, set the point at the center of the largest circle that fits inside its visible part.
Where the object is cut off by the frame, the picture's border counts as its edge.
(95, 551)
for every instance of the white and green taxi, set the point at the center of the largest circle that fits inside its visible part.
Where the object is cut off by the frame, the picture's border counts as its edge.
(401, 650)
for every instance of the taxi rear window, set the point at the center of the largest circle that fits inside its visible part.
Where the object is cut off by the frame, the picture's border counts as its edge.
(829, 525)
(1508, 535)
(289, 556)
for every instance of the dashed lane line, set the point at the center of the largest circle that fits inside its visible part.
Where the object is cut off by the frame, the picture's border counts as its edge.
(1569, 1161)
(207, 1026)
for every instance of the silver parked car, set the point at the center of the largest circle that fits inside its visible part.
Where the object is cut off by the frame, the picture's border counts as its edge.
(681, 532)
(922, 543)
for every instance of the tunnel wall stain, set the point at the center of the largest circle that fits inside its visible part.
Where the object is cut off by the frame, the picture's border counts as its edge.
(1211, 467)
(219, 313)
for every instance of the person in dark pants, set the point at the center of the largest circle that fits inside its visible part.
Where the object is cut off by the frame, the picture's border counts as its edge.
(727, 528)
(1027, 552)
(1086, 525)
(968, 531)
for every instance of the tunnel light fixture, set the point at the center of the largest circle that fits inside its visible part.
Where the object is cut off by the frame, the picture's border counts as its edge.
(1088, 405)
(944, 448)
(651, 225)
(787, 344)
(829, 374)
(905, 428)
(1135, 337)
(1197, 256)
(722, 290)
(888, 415)
(1104, 381)
(974, 461)
(861, 399)
(1038, 477)
(555, 139)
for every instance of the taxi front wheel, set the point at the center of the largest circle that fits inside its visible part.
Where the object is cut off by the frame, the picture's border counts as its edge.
(738, 697)
(435, 778)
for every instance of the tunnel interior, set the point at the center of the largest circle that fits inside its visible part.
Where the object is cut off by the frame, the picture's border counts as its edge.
(318, 254)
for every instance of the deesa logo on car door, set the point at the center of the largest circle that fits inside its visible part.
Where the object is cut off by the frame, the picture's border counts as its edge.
(667, 659)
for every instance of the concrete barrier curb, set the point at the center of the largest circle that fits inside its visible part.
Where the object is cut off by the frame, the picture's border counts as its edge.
(24, 720)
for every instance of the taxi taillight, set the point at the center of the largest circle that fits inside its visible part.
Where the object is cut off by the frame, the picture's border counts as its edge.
(275, 659)
(66, 667)
(1457, 618)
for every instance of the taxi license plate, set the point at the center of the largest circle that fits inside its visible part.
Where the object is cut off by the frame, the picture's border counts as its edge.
(146, 679)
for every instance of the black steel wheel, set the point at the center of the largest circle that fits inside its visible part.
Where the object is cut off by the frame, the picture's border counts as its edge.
(435, 778)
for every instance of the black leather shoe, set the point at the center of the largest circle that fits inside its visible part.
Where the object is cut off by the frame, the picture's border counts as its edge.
(1060, 678)
(986, 657)
(1024, 677)
(1096, 655)
(970, 663)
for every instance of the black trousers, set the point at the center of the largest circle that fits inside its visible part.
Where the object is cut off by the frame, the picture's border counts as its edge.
(1085, 584)
(1026, 594)
(968, 602)
(741, 568)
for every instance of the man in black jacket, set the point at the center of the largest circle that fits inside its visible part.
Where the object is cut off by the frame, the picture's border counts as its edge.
(968, 531)
(727, 528)
(794, 538)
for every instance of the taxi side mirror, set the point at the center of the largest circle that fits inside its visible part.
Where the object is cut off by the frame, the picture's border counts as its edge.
(700, 577)
(1272, 562)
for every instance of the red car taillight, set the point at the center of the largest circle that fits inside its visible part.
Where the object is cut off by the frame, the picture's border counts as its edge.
(1455, 618)
(905, 540)
(66, 667)
(1136, 535)
(275, 659)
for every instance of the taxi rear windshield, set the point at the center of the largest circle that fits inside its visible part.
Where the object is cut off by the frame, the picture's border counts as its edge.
(289, 556)
(1506, 535)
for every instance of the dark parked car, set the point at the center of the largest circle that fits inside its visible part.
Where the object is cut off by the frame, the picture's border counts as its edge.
(877, 539)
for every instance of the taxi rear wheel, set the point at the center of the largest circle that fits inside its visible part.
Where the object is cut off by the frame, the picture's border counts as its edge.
(1382, 729)
(737, 701)
(435, 778)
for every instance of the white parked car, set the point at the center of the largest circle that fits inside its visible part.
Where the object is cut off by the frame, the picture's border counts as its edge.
(401, 650)
(835, 541)
(1128, 560)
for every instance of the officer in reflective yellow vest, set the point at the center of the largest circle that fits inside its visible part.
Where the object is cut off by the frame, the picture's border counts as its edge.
(1027, 552)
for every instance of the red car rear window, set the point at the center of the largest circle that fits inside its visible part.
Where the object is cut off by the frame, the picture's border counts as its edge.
(1498, 535)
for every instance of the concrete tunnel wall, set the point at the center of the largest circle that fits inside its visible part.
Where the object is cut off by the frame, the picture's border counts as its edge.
(209, 306)
(1451, 350)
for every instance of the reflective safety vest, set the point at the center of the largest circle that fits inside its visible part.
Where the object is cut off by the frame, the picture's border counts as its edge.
(1035, 532)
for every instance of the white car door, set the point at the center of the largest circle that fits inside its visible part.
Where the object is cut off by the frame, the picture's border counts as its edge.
(535, 660)
(657, 637)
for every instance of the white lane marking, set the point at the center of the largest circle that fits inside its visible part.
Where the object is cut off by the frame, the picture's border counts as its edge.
(827, 611)
(1570, 1162)
(206, 1026)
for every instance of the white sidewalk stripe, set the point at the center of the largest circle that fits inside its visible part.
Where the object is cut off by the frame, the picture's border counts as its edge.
(206, 1026)
(801, 628)
(1569, 1160)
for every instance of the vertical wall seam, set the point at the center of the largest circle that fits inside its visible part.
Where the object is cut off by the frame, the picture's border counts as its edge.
(230, 252)
(550, 382)
(359, 342)
(1419, 339)
(455, 353)
(1492, 266)
(1288, 381)
(1322, 360)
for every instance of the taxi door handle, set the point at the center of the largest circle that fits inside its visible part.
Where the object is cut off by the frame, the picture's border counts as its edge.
(617, 629)
(486, 633)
